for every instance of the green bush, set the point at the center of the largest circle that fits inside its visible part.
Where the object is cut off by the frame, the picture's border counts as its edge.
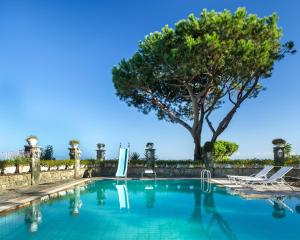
(7, 163)
(293, 160)
(88, 162)
(246, 162)
(74, 141)
(134, 156)
(222, 150)
(22, 161)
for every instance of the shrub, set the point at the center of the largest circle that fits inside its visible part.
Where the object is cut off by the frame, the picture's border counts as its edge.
(31, 136)
(288, 149)
(247, 162)
(134, 156)
(69, 162)
(222, 150)
(74, 141)
(7, 163)
(293, 160)
(22, 161)
(88, 162)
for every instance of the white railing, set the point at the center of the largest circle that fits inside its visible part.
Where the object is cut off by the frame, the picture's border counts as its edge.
(205, 181)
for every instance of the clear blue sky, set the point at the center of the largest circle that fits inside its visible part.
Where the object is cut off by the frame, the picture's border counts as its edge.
(55, 77)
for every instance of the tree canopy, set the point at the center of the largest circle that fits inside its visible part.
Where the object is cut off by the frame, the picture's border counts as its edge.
(47, 153)
(204, 63)
(222, 150)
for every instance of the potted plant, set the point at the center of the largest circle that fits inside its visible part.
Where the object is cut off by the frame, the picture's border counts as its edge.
(150, 145)
(53, 165)
(22, 164)
(279, 142)
(74, 143)
(61, 164)
(8, 166)
(32, 140)
(69, 164)
(100, 146)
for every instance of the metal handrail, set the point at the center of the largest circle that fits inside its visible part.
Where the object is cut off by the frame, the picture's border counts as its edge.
(205, 180)
(206, 173)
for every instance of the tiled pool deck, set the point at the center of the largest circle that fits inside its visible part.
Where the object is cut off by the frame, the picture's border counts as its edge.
(16, 198)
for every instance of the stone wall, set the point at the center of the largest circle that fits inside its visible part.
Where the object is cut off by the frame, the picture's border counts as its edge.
(14, 180)
(20, 180)
(24, 179)
(56, 176)
(135, 172)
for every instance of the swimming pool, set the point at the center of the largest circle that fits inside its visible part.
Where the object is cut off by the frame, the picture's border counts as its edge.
(165, 209)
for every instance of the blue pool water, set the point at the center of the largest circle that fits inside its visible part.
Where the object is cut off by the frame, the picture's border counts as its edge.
(165, 209)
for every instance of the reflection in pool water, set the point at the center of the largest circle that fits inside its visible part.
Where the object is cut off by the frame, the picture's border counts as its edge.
(75, 202)
(33, 217)
(166, 209)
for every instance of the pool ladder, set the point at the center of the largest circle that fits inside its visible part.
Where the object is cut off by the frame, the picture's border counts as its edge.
(205, 181)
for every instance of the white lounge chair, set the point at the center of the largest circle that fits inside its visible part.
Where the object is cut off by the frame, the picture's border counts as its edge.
(149, 171)
(262, 174)
(276, 178)
(123, 196)
(123, 163)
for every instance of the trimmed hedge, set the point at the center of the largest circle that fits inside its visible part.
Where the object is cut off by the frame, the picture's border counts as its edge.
(14, 162)
(68, 162)
(236, 162)
(159, 163)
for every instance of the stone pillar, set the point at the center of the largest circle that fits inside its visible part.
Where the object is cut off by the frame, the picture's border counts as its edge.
(34, 153)
(278, 155)
(75, 154)
(150, 155)
(100, 152)
(75, 202)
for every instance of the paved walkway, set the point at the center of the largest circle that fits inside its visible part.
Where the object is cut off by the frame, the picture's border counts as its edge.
(20, 197)
(257, 191)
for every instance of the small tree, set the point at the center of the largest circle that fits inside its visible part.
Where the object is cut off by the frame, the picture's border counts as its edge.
(288, 149)
(47, 153)
(222, 150)
(216, 60)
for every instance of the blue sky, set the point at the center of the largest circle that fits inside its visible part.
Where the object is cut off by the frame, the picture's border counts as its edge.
(55, 77)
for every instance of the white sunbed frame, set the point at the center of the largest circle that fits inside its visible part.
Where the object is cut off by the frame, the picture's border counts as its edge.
(149, 171)
(276, 178)
(262, 174)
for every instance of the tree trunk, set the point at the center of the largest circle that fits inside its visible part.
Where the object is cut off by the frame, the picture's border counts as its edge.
(197, 149)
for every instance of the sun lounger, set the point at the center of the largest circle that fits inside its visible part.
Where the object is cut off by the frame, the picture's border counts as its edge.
(149, 171)
(262, 174)
(276, 178)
